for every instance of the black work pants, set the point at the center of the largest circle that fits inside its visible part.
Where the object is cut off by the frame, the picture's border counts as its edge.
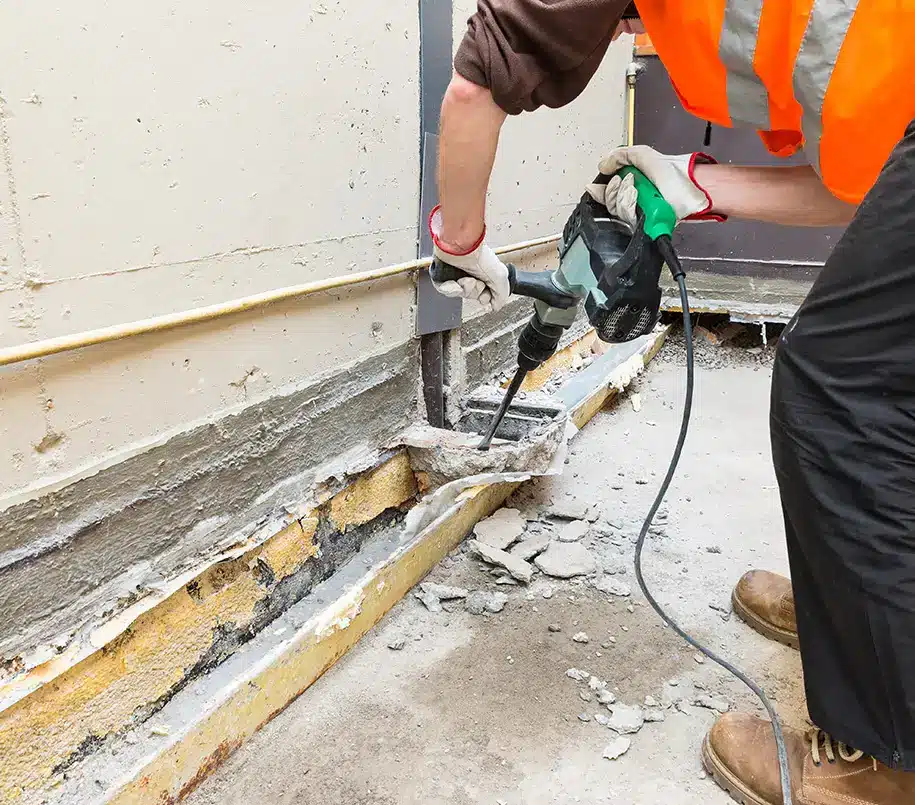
(843, 439)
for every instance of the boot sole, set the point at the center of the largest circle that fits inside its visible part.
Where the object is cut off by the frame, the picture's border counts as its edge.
(726, 780)
(766, 629)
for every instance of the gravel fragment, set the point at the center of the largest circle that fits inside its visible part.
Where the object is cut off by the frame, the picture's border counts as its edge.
(555, 628)
(397, 645)
(584, 696)
(586, 717)
(578, 676)
(617, 748)
(430, 601)
(602, 719)
(581, 637)
(442, 591)
(626, 720)
(654, 715)
(711, 703)
(606, 697)
(482, 601)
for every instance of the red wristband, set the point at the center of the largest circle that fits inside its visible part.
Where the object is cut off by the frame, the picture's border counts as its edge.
(435, 219)
(700, 158)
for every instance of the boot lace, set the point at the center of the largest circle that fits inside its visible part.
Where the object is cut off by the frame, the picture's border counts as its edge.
(823, 744)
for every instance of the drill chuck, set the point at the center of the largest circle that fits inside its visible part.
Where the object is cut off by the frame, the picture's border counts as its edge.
(538, 343)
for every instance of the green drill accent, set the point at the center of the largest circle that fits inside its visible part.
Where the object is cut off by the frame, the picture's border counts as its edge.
(660, 218)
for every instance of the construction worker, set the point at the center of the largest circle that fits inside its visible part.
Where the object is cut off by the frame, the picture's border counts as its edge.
(833, 77)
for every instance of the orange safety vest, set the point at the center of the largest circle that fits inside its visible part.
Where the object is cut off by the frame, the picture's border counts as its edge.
(834, 76)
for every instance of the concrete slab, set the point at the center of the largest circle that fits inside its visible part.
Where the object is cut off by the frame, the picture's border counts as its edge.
(479, 709)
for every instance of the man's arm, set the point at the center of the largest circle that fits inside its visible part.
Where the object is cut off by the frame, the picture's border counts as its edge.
(794, 196)
(471, 122)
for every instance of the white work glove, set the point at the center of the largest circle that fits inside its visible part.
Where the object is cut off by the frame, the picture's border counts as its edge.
(488, 280)
(672, 175)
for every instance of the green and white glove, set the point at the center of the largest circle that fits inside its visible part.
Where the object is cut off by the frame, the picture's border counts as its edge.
(674, 176)
(488, 282)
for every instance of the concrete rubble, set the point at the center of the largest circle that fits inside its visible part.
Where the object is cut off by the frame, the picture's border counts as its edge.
(565, 560)
(573, 530)
(480, 602)
(617, 748)
(501, 530)
(626, 720)
(518, 568)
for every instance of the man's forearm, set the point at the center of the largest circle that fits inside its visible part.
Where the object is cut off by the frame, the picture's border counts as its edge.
(794, 196)
(470, 128)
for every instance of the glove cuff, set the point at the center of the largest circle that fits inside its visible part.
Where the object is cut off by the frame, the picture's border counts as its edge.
(435, 227)
(700, 158)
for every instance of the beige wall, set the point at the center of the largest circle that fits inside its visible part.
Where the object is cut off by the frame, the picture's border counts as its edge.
(168, 155)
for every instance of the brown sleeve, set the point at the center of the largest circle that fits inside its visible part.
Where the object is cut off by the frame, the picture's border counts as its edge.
(533, 53)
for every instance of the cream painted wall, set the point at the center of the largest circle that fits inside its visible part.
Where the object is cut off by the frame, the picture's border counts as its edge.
(166, 155)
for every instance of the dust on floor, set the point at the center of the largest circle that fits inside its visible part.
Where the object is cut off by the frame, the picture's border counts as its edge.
(452, 708)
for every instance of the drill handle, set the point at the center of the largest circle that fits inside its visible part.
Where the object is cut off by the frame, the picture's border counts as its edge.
(534, 284)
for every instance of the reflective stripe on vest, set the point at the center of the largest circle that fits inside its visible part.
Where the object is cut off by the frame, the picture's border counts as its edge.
(748, 100)
(826, 29)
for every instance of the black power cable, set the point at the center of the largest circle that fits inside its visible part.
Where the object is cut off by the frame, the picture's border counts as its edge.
(670, 257)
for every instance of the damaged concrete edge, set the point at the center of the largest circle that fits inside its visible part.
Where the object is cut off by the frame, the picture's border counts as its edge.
(161, 514)
(241, 697)
(140, 666)
(170, 766)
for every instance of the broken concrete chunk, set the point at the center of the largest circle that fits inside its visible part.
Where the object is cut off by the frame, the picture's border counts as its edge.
(569, 508)
(606, 697)
(612, 586)
(617, 748)
(565, 560)
(711, 703)
(586, 717)
(573, 531)
(480, 602)
(650, 701)
(520, 569)
(442, 591)
(500, 530)
(531, 547)
(584, 696)
(602, 719)
(578, 676)
(430, 601)
(596, 684)
(626, 720)
(654, 715)
(507, 581)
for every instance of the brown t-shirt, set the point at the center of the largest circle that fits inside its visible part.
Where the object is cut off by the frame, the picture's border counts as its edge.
(532, 53)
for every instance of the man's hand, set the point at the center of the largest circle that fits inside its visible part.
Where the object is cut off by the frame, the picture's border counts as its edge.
(488, 280)
(674, 176)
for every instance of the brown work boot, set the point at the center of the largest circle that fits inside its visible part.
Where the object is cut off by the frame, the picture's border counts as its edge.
(765, 601)
(739, 753)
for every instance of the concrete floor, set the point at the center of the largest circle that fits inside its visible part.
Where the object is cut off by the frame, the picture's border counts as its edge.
(478, 709)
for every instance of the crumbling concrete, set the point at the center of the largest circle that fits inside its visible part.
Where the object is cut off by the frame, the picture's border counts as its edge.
(500, 683)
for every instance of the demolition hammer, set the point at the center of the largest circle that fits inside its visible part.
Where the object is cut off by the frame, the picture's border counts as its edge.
(612, 266)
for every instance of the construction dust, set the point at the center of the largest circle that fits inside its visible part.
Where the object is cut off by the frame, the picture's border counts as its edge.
(527, 669)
